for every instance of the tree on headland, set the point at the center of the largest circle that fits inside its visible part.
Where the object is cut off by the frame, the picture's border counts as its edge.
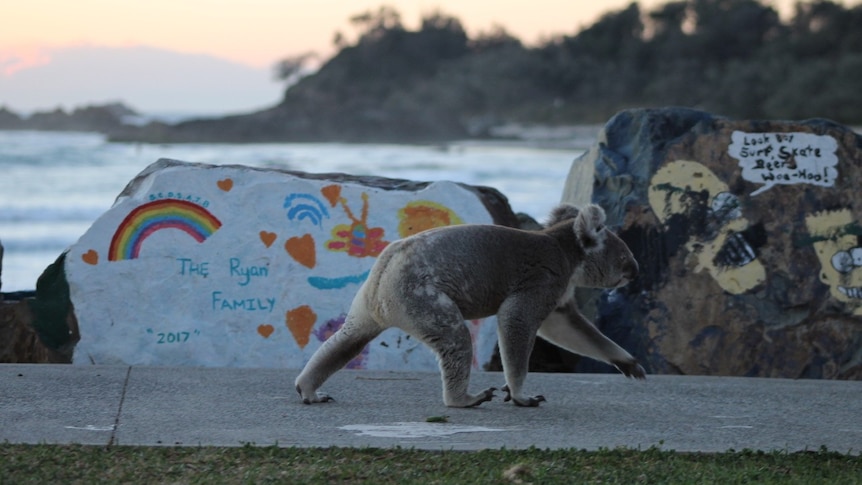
(291, 69)
(735, 58)
(732, 57)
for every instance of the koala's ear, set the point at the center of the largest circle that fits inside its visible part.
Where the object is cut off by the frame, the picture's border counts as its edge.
(561, 213)
(588, 224)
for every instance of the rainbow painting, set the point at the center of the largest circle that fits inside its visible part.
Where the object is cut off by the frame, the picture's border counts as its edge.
(154, 216)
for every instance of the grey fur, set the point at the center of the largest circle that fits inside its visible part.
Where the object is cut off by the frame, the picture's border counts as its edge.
(429, 283)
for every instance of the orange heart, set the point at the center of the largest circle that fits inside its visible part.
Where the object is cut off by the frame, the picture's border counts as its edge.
(225, 184)
(300, 321)
(91, 257)
(267, 238)
(265, 330)
(332, 193)
(302, 250)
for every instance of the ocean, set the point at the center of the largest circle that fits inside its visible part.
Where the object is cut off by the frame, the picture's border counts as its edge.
(54, 185)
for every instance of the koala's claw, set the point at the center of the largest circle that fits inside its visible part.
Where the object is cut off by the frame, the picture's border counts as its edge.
(631, 369)
(531, 402)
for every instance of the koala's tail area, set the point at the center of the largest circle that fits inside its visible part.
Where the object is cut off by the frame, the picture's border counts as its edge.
(567, 328)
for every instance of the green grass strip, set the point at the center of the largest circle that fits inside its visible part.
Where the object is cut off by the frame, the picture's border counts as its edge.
(21, 464)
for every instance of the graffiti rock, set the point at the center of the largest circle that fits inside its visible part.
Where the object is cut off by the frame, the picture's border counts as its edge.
(749, 236)
(38, 326)
(20, 341)
(236, 266)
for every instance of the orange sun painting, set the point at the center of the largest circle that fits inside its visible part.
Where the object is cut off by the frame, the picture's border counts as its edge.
(421, 215)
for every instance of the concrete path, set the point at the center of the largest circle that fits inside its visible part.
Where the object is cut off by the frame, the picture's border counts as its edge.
(168, 406)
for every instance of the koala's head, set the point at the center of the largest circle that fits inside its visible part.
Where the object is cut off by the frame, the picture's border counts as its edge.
(608, 262)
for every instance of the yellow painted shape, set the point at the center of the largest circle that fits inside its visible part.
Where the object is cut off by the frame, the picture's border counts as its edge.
(829, 225)
(421, 215)
(667, 196)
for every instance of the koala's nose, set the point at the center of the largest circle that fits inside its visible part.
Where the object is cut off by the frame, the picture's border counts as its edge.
(631, 269)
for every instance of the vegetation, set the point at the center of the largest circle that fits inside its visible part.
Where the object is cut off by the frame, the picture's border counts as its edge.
(734, 58)
(90, 464)
(731, 57)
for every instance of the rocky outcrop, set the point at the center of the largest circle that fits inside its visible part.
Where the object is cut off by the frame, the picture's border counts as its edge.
(106, 118)
(39, 327)
(10, 120)
(236, 266)
(748, 236)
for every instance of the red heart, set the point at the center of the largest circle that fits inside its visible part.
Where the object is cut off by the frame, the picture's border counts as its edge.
(267, 238)
(302, 250)
(91, 257)
(265, 330)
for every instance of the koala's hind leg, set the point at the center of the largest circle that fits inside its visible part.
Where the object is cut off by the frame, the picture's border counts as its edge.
(517, 320)
(566, 327)
(345, 344)
(443, 330)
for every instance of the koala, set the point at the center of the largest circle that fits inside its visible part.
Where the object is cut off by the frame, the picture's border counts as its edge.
(428, 284)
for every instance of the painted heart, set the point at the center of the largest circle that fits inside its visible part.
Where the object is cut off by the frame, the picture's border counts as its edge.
(265, 330)
(332, 193)
(267, 238)
(300, 321)
(225, 184)
(301, 249)
(91, 257)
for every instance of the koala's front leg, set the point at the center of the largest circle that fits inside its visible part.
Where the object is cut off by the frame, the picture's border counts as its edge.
(567, 328)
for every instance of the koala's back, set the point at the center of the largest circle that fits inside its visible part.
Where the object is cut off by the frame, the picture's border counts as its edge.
(475, 266)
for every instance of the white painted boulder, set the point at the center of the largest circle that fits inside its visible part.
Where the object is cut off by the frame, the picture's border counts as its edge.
(235, 266)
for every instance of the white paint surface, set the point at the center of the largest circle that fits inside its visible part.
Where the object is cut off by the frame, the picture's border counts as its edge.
(785, 158)
(415, 429)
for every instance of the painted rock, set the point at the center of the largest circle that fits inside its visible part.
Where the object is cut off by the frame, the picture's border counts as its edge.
(748, 236)
(235, 266)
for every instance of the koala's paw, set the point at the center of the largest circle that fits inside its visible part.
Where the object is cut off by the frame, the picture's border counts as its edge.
(483, 396)
(469, 400)
(631, 369)
(319, 397)
(314, 397)
(527, 402)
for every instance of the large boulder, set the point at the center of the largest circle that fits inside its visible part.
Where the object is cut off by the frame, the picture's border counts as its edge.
(38, 327)
(236, 266)
(748, 235)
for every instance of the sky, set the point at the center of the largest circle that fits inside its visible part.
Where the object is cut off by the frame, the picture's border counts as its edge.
(248, 35)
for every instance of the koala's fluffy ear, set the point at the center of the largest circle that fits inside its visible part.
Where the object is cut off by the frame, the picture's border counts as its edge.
(561, 213)
(588, 224)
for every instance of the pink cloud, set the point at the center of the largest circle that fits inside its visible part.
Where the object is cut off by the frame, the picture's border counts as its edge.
(16, 59)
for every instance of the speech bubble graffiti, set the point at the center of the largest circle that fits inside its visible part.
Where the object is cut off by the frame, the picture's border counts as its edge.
(785, 158)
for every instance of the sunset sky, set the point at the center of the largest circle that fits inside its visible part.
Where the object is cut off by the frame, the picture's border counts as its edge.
(257, 33)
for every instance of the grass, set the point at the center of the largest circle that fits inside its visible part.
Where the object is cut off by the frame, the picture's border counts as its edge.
(250, 464)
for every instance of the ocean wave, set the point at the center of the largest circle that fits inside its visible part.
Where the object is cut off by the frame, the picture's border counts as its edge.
(55, 185)
(21, 246)
(42, 214)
